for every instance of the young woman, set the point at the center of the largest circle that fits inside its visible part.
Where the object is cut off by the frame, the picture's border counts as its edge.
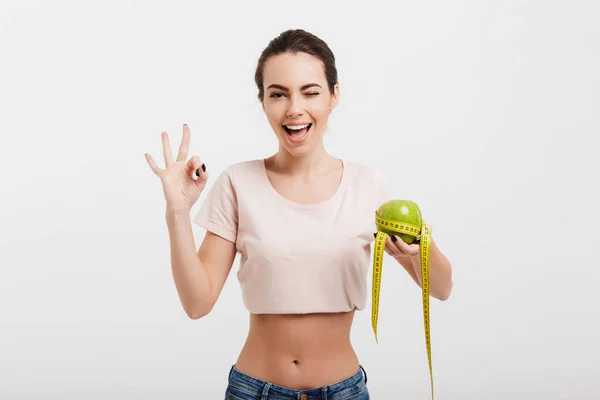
(302, 221)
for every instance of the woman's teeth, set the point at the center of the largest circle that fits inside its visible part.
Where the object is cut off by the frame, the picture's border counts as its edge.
(297, 132)
(296, 127)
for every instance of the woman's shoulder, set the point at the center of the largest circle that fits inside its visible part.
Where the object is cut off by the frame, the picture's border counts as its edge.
(245, 173)
(370, 181)
(363, 171)
(245, 167)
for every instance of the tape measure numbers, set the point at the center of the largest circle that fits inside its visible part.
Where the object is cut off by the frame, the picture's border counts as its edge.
(387, 227)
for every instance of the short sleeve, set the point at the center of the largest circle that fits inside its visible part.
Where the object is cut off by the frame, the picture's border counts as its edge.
(219, 211)
(383, 192)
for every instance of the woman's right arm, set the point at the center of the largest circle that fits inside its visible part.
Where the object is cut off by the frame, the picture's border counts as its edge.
(199, 276)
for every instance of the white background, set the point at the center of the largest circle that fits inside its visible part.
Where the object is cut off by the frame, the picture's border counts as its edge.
(485, 113)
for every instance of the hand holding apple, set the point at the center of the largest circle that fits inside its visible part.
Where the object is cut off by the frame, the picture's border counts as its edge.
(401, 211)
(398, 248)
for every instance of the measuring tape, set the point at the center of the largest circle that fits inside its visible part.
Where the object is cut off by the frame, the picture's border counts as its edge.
(379, 248)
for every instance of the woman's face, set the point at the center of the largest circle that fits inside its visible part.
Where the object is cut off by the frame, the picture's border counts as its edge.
(297, 96)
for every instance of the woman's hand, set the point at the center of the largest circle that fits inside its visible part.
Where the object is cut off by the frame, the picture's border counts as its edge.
(182, 181)
(397, 248)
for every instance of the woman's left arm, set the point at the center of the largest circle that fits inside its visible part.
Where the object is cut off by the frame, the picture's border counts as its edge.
(409, 256)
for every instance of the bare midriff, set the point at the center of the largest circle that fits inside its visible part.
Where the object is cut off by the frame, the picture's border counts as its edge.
(299, 351)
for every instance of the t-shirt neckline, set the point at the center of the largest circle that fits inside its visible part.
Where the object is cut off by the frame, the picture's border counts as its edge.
(332, 198)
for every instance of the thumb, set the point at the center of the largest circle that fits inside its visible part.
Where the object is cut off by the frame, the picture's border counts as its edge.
(197, 169)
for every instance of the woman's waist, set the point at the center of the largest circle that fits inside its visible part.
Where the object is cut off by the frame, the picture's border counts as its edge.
(298, 373)
(299, 351)
(339, 385)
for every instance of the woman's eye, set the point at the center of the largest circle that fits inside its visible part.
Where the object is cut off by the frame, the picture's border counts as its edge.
(279, 94)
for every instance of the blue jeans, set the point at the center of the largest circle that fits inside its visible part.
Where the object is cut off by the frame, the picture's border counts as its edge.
(244, 387)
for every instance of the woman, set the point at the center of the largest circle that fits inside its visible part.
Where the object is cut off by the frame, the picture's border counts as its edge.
(302, 221)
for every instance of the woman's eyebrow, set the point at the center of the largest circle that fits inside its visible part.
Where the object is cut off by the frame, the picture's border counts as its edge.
(277, 86)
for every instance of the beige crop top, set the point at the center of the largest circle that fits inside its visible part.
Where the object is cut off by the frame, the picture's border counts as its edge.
(296, 258)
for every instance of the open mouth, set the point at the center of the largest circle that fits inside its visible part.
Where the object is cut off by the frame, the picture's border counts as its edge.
(297, 133)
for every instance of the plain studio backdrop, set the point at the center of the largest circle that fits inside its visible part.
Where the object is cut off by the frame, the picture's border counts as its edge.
(484, 113)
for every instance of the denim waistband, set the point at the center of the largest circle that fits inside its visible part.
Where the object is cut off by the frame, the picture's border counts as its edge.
(266, 390)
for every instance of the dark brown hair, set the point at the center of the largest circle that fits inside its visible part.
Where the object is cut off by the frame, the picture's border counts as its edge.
(295, 41)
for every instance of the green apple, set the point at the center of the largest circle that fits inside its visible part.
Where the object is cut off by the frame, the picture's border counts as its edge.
(401, 211)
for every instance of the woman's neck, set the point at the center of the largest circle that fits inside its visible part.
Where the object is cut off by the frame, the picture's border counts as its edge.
(307, 165)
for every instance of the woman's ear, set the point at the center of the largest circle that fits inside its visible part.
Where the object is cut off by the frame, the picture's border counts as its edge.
(335, 97)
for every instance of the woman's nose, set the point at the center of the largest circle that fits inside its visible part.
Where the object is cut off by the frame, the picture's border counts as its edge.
(294, 108)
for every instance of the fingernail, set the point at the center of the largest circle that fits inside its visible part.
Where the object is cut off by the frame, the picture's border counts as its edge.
(203, 167)
(198, 172)
(184, 124)
(375, 235)
(394, 238)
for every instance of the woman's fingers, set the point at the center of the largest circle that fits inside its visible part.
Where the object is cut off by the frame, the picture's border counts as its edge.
(392, 243)
(403, 248)
(197, 168)
(167, 154)
(152, 164)
(388, 249)
(185, 144)
(193, 165)
(401, 245)
(394, 246)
